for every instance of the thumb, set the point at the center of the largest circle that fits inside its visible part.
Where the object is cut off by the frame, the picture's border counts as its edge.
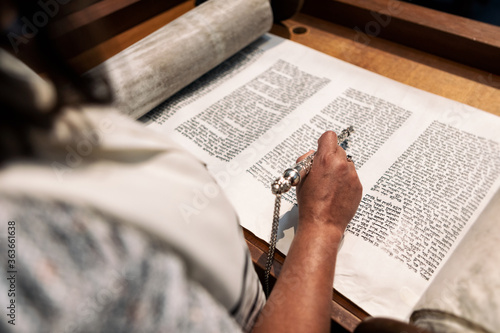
(305, 155)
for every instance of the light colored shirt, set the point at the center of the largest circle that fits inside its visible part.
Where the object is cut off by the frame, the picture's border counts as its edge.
(100, 161)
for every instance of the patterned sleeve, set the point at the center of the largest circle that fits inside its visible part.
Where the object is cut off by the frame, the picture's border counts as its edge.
(78, 270)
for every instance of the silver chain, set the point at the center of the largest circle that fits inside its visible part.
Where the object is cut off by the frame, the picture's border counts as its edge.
(274, 236)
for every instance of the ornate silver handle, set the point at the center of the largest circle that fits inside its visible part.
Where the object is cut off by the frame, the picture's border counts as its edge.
(292, 176)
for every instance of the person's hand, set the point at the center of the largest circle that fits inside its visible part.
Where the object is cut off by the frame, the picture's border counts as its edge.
(330, 194)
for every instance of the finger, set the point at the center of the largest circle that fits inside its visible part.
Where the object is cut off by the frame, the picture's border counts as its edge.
(328, 142)
(305, 155)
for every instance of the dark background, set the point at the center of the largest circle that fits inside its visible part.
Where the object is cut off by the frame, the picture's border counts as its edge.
(487, 11)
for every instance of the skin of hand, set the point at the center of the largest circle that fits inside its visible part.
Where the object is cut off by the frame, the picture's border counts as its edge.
(328, 199)
(331, 191)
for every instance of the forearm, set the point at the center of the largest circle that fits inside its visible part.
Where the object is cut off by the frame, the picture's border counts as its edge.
(301, 298)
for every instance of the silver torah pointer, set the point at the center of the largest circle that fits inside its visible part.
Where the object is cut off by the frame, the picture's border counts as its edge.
(292, 176)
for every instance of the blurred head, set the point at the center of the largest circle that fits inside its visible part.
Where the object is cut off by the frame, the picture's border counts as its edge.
(30, 32)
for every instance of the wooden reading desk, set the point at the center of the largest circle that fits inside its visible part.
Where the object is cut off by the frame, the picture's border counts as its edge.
(440, 53)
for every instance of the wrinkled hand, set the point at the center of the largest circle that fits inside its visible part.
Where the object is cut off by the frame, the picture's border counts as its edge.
(330, 194)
